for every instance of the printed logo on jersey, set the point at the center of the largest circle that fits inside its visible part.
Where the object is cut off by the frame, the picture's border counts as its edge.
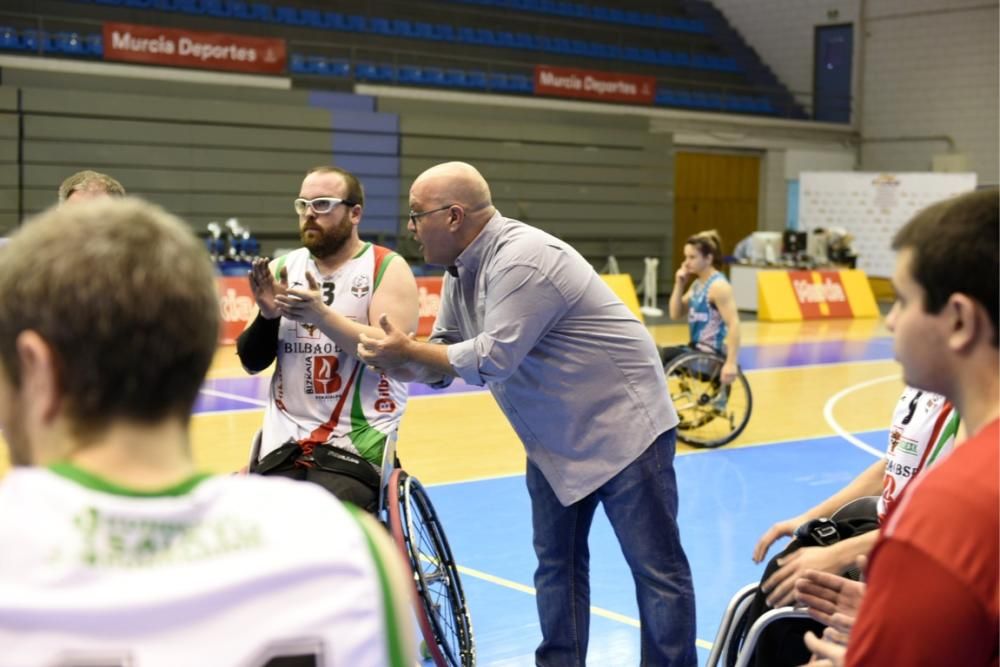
(321, 375)
(360, 286)
(121, 542)
(384, 402)
(306, 330)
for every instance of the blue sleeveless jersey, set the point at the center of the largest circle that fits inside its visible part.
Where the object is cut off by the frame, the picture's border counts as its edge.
(706, 324)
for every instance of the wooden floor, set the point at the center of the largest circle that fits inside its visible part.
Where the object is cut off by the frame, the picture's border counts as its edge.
(823, 396)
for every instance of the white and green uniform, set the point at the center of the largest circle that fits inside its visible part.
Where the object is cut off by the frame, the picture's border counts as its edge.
(923, 432)
(223, 571)
(321, 394)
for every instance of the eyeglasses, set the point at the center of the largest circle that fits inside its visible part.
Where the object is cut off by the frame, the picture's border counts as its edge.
(320, 205)
(414, 216)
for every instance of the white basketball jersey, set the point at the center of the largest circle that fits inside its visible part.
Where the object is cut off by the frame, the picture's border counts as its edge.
(220, 571)
(923, 432)
(319, 392)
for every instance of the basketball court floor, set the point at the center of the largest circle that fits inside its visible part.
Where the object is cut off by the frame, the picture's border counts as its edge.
(823, 397)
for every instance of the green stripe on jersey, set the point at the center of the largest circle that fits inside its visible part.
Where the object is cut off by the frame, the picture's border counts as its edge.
(368, 440)
(949, 432)
(91, 481)
(366, 245)
(394, 639)
(385, 264)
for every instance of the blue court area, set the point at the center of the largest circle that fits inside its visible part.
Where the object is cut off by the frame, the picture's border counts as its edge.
(728, 498)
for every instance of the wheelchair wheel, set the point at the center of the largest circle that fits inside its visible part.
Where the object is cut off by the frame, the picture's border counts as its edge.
(711, 414)
(442, 612)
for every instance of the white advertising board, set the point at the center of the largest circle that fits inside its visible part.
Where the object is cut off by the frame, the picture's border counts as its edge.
(872, 207)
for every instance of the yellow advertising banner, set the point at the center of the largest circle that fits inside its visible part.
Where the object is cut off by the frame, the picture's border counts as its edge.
(784, 296)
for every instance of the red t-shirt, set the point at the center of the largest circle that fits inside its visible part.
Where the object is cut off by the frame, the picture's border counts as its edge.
(932, 595)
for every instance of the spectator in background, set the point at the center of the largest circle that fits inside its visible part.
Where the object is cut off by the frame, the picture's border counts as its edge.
(113, 548)
(84, 185)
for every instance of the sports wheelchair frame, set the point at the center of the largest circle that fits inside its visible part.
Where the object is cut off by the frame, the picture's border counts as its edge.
(711, 413)
(440, 607)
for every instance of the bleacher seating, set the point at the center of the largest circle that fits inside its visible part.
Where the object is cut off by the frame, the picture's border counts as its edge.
(710, 95)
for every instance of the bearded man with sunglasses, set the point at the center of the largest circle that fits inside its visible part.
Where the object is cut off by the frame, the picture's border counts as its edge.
(328, 415)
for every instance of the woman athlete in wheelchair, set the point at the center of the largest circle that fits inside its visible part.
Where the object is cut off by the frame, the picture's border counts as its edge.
(708, 389)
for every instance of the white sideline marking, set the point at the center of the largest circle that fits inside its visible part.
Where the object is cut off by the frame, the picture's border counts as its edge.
(235, 397)
(596, 611)
(833, 400)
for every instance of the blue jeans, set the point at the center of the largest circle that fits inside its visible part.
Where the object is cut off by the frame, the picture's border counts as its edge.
(641, 503)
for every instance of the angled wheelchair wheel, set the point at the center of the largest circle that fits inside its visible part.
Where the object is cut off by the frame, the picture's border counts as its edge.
(711, 414)
(442, 613)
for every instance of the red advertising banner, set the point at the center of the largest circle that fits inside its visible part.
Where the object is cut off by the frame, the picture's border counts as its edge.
(429, 290)
(186, 48)
(594, 85)
(237, 304)
(820, 294)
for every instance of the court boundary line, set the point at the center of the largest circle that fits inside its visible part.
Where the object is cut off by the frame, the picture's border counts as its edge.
(835, 425)
(235, 397)
(529, 590)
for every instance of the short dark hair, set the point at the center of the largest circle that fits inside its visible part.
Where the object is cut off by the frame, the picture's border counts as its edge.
(708, 242)
(355, 191)
(955, 250)
(125, 296)
(87, 180)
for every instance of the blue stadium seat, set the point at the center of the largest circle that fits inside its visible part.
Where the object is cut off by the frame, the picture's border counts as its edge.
(385, 72)
(485, 37)
(444, 33)
(9, 39)
(497, 81)
(365, 72)
(579, 47)
(30, 40)
(698, 61)
(615, 52)
(433, 76)
(616, 15)
(475, 79)
(380, 26)
(94, 44)
(410, 74)
(64, 42)
(505, 39)
(633, 18)
(355, 23)
(525, 40)
(599, 50)
(631, 53)
(403, 28)
(649, 56)
(714, 101)
(466, 34)
(142, 4)
(454, 78)
(217, 8)
(299, 64)
(288, 16)
(543, 43)
(681, 59)
(561, 45)
(240, 10)
(334, 21)
(599, 13)
(422, 31)
(313, 18)
(190, 7)
(520, 83)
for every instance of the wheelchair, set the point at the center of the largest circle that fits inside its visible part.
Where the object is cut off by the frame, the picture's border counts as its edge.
(711, 413)
(440, 606)
(727, 649)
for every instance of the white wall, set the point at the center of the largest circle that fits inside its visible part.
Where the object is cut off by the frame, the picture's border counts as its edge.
(925, 70)
(932, 70)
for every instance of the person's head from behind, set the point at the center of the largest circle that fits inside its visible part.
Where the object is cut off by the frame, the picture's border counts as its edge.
(108, 315)
(449, 205)
(329, 207)
(703, 252)
(87, 185)
(946, 277)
